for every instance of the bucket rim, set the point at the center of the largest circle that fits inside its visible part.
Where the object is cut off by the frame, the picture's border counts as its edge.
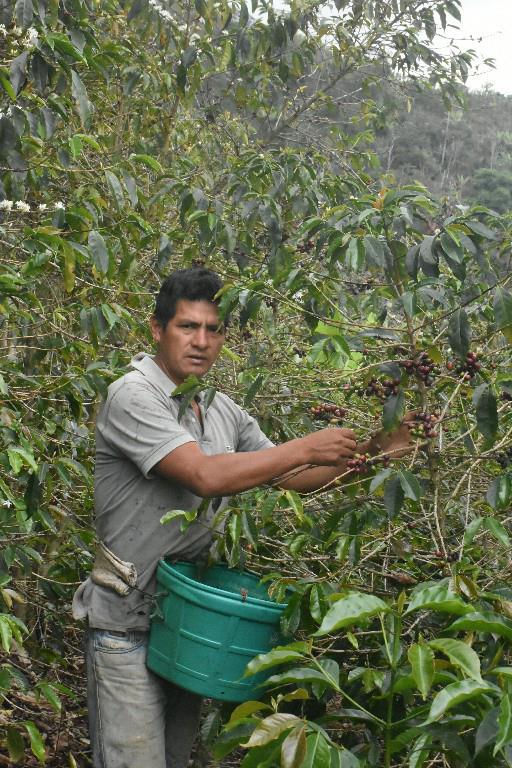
(200, 586)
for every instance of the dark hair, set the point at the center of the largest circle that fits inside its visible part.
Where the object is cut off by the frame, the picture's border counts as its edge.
(192, 284)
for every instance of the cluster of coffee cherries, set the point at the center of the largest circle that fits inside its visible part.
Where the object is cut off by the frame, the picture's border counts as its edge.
(449, 557)
(421, 366)
(328, 412)
(357, 288)
(381, 389)
(306, 247)
(468, 368)
(363, 462)
(424, 426)
(504, 459)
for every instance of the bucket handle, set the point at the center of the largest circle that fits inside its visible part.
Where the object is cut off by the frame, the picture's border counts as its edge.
(156, 610)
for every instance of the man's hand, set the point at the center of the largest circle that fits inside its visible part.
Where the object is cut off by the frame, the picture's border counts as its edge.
(329, 447)
(397, 443)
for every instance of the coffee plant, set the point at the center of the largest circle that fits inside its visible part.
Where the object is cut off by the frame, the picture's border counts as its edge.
(399, 603)
(138, 137)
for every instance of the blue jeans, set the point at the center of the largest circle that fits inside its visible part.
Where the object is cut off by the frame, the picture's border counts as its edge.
(136, 719)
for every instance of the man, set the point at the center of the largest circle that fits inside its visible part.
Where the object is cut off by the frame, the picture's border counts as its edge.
(147, 463)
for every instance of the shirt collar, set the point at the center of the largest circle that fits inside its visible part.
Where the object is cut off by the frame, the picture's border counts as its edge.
(146, 365)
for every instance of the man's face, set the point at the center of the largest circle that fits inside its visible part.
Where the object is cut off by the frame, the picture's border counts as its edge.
(191, 341)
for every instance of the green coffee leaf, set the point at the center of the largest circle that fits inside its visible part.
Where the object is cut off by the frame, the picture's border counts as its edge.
(299, 675)
(50, 694)
(419, 753)
(235, 528)
(451, 248)
(483, 621)
(24, 13)
(293, 748)
(486, 407)
(497, 530)
(149, 161)
(480, 229)
(455, 694)
(297, 505)
(393, 496)
(79, 92)
(318, 752)
(352, 609)
(18, 71)
(188, 515)
(459, 332)
(460, 654)
(437, 598)
(98, 251)
(271, 728)
(380, 478)
(410, 485)
(19, 457)
(7, 86)
(499, 493)
(246, 709)
(280, 655)
(316, 602)
(36, 741)
(115, 189)
(503, 312)
(421, 659)
(393, 411)
(504, 736)
(472, 530)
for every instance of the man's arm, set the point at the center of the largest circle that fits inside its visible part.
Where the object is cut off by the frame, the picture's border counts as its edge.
(310, 478)
(303, 465)
(227, 473)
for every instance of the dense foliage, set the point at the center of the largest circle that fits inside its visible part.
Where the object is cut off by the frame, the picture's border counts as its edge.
(136, 138)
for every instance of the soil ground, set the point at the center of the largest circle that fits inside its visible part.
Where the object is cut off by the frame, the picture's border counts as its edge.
(64, 733)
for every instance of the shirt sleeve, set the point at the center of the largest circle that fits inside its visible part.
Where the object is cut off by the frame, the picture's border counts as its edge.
(137, 423)
(250, 436)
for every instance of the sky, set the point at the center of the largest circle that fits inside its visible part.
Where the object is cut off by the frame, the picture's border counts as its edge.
(489, 23)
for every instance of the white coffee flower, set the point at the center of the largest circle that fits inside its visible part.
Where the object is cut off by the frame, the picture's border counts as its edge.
(31, 37)
(59, 206)
(7, 503)
(166, 15)
(194, 37)
(6, 205)
(3, 30)
(42, 206)
(182, 27)
(22, 206)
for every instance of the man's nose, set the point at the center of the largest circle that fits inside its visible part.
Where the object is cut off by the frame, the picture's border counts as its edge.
(201, 338)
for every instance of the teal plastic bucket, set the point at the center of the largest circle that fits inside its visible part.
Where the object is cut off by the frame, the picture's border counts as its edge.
(207, 628)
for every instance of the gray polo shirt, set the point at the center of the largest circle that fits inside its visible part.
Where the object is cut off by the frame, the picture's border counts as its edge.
(137, 426)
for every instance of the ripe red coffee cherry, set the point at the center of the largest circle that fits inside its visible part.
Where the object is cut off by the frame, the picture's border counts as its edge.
(328, 412)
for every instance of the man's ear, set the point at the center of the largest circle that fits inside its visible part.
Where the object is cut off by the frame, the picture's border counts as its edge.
(156, 329)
